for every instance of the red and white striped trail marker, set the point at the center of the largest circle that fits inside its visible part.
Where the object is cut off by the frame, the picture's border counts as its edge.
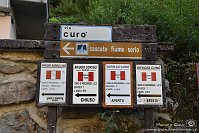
(114, 75)
(82, 76)
(53, 74)
(151, 76)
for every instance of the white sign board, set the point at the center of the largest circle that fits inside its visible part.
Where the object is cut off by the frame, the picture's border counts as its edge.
(86, 33)
(85, 83)
(149, 85)
(118, 85)
(53, 83)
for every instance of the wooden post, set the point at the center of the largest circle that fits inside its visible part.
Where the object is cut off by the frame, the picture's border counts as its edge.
(149, 119)
(52, 119)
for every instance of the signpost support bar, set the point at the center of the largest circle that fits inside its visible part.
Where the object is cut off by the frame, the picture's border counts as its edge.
(149, 119)
(52, 119)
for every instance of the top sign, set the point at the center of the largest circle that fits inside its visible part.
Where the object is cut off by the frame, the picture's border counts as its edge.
(86, 33)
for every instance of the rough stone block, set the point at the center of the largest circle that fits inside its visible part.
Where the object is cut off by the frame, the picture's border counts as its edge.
(19, 122)
(16, 92)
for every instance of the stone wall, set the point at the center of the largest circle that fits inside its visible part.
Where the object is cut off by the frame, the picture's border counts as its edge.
(18, 113)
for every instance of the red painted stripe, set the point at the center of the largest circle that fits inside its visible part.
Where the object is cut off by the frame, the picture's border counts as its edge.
(48, 74)
(153, 76)
(143, 76)
(122, 75)
(58, 74)
(113, 75)
(80, 76)
(90, 76)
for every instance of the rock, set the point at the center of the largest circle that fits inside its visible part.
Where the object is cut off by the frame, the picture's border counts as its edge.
(19, 122)
(20, 77)
(11, 68)
(175, 106)
(166, 83)
(22, 56)
(164, 116)
(169, 102)
(89, 125)
(33, 114)
(160, 61)
(167, 86)
(2, 77)
(31, 67)
(43, 112)
(16, 92)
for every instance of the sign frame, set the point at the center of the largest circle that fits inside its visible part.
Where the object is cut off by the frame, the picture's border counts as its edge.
(66, 103)
(99, 82)
(86, 26)
(131, 80)
(163, 84)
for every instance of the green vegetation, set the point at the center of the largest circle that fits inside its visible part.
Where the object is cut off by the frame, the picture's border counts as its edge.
(177, 20)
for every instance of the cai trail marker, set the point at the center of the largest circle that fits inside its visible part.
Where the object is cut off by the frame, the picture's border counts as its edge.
(85, 84)
(118, 85)
(52, 88)
(149, 85)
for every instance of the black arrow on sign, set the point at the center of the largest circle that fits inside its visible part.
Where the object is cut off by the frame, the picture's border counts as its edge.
(85, 95)
(122, 95)
(43, 94)
(148, 95)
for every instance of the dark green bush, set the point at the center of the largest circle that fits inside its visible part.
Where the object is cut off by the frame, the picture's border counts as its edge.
(177, 20)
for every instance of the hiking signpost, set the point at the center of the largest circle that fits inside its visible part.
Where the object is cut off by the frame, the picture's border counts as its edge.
(53, 83)
(109, 67)
(118, 88)
(85, 85)
(149, 85)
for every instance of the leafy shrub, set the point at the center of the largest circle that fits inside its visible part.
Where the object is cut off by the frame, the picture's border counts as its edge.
(177, 20)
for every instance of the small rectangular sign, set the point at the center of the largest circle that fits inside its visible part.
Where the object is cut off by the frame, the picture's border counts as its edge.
(86, 33)
(85, 84)
(52, 89)
(120, 50)
(118, 85)
(149, 85)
